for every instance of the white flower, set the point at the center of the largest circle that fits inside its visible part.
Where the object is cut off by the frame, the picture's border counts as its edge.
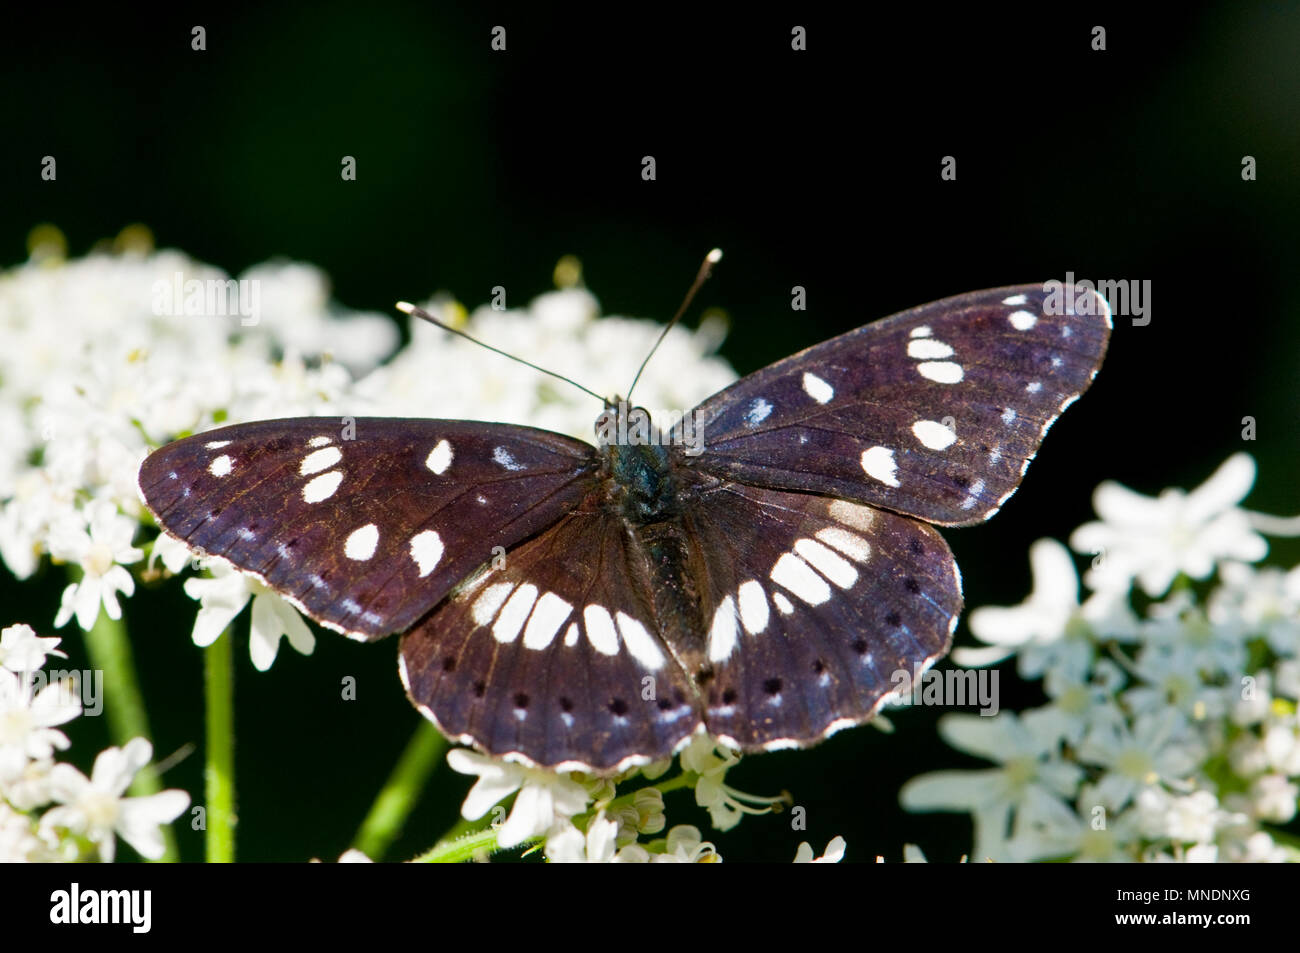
(1025, 747)
(27, 723)
(1050, 629)
(1154, 539)
(1076, 705)
(568, 845)
(96, 809)
(18, 842)
(1171, 678)
(174, 553)
(726, 805)
(1281, 743)
(1046, 827)
(22, 650)
(1274, 798)
(1179, 627)
(1260, 848)
(1190, 818)
(833, 855)
(102, 554)
(1261, 602)
(224, 596)
(1158, 748)
(546, 798)
(684, 845)
(29, 786)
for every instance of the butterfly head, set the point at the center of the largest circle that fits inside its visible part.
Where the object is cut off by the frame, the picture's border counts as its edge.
(636, 462)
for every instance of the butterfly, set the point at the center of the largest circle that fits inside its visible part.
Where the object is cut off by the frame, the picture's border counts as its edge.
(760, 571)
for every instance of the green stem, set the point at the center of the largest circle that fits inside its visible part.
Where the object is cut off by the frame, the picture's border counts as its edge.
(108, 648)
(462, 848)
(401, 792)
(219, 770)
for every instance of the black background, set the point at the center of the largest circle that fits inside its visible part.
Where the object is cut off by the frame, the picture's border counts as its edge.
(818, 168)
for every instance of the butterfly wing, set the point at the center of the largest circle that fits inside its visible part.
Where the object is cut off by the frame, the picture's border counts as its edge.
(368, 527)
(933, 413)
(555, 657)
(814, 606)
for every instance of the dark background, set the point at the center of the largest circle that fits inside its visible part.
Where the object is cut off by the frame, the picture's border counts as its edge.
(818, 168)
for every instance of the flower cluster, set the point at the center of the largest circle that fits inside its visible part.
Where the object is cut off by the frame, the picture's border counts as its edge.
(577, 818)
(1172, 730)
(50, 811)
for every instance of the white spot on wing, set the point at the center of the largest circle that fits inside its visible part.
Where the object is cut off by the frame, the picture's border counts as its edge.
(1009, 416)
(439, 458)
(319, 441)
(322, 487)
(933, 434)
(490, 601)
(514, 612)
(502, 456)
(754, 612)
(831, 565)
(851, 514)
(723, 634)
(1022, 320)
(221, 466)
(850, 544)
(1015, 299)
(817, 389)
(759, 410)
(571, 637)
(878, 463)
(921, 332)
(216, 444)
(600, 629)
(927, 349)
(548, 615)
(639, 642)
(1033, 387)
(426, 550)
(941, 372)
(361, 543)
(791, 572)
(320, 460)
(782, 603)
(974, 497)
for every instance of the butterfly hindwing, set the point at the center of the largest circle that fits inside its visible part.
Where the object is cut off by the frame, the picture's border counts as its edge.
(366, 527)
(934, 412)
(814, 607)
(554, 655)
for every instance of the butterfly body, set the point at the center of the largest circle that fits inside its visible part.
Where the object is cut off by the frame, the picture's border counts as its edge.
(590, 607)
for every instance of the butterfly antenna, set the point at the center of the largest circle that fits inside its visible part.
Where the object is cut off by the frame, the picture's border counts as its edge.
(706, 269)
(408, 308)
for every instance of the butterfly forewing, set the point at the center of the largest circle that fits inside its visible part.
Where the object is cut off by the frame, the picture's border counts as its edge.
(367, 526)
(934, 412)
(555, 655)
(815, 606)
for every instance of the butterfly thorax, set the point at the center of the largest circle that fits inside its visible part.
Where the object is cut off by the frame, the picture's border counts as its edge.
(643, 487)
